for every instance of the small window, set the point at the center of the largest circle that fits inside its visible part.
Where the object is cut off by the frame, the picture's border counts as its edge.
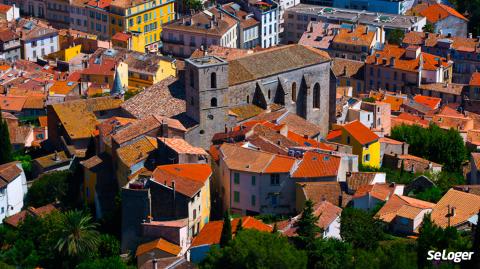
(274, 179)
(213, 80)
(213, 102)
(236, 197)
(316, 96)
(348, 140)
(367, 157)
(236, 178)
(254, 200)
(254, 179)
(294, 92)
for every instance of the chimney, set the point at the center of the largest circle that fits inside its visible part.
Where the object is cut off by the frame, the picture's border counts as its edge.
(221, 15)
(366, 30)
(392, 61)
(439, 61)
(154, 263)
(345, 70)
(164, 129)
(212, 23)
(470, 35)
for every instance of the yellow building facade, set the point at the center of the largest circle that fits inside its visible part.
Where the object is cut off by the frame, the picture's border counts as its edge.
(363, 141)
(146, 18)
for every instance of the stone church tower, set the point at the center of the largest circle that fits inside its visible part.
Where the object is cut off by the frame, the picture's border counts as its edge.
(206, 94)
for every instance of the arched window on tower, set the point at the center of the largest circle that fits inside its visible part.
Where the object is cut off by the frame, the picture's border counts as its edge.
(269, 94)
(213, 80)
(294, 92)
(316, 96)
(213, 102)
(248, 99)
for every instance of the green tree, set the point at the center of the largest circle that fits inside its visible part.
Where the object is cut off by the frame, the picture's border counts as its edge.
(441, 146)
(48, 188)
(306, 225)
(239, 226)
(254, 249)
(395, 36)
(226, 235)
(433, 194)
(360, 228)
(104, 263)
(6, 150)
(108, 246)
(331, 254)
(26, 161)
(428, 28)
(196, 5)
(22, 254)
(78, 238)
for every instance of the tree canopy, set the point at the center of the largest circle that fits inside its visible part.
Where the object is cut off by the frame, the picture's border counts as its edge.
(360, 228)
(48, 188)
(254, 249)
(6, 150)
(433, 143)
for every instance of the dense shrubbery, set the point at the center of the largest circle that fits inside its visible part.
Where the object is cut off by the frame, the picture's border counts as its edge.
(445, 147)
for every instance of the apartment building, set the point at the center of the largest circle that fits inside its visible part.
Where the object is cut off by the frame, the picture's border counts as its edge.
(209, 27)
(395, 68)
(356, 42)
(248, 26)
(464, 51)
(298, 17)
(147, 17)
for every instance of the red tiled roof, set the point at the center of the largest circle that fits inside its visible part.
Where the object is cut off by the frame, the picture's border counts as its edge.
(211, 232)
(475, 79)
(189, 178)
(316, 164)
(4, 8)
(161, 244)
(334, 134)
(438, 12)
(120, 36)
(280, 164)
(431, 102)
(379, 191)
(360, 132)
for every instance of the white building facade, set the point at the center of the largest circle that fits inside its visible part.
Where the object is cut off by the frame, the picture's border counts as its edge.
(13, 187)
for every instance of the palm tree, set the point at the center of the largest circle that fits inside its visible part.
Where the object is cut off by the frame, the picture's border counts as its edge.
(78, 235)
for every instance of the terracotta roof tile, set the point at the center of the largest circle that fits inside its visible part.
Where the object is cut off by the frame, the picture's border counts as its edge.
(181, 146)
(53, 159)
(316, 164)
(273, 61)
(12, 103)
(360, 132)
(78, 116)
(160, 244)
(431, 102)
(9, 172)
(437, 12)
(138, 151)
(475, 79)
(243, 159)
(348, 68)
(465, 204)
(280, 164)
(329, 191)
(379, 191)
(145, 126)
(189, 178)
(402, 206)
(358, 37)
(165, 98)
(448, 88)
(211, 232)
(357, 179)
(17, 219)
